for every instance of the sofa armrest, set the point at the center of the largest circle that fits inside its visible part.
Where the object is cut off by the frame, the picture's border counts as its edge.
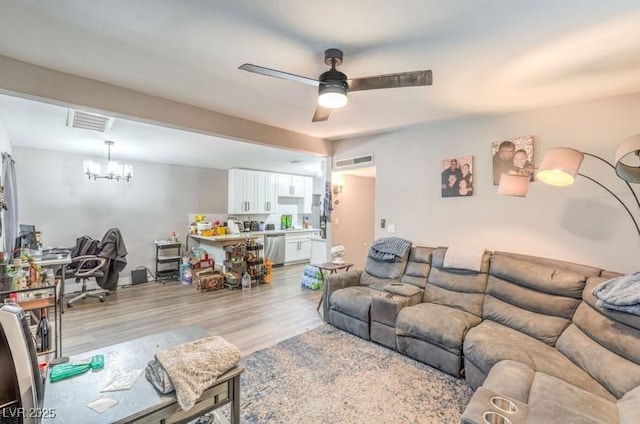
(629, 407)
(335, 282)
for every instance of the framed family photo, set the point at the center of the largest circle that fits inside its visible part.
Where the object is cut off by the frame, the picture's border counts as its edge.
(513, 156)
(457, 176)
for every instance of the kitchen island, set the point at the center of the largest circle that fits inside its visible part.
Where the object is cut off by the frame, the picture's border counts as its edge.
(214, 245)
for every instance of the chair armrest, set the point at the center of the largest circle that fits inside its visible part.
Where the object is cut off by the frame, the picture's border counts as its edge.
(629, 407)
(335, 282)
(88, 272)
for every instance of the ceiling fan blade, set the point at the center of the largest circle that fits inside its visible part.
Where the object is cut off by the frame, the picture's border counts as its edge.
(321, 114)
(401, 79)
(278, 74)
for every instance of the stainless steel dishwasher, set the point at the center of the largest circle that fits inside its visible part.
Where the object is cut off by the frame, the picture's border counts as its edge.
(274, 249)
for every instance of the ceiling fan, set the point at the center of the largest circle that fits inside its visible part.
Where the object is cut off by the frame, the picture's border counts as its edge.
(333, 85)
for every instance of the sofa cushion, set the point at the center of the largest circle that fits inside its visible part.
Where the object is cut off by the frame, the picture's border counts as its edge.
(629, 407)
(440, 325)
(489, 343)
(353, 301)
(544, 328)
(418, 266)
(589, 271)
(609, 351)
(461, 289)
(532, 298)
(384, 269)
(555, 401)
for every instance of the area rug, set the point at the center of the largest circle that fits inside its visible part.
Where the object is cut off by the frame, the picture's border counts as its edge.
(329, 376)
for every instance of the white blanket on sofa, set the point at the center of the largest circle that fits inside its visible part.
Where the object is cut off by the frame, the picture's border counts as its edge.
(468, 258)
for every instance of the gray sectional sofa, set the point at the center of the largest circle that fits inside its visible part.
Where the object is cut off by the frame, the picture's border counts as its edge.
(525, 332)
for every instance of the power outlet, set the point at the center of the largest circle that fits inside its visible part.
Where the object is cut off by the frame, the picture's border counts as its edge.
(383, 222)
(391, 228)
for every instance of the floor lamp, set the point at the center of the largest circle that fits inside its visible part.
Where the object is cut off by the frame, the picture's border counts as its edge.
(560, 166)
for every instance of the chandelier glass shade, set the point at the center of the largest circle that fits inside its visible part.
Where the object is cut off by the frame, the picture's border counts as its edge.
(115, 171)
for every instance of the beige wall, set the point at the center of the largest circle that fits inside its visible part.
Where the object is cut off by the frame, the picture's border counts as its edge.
(36, 82)
(352, 220)
(581, 223)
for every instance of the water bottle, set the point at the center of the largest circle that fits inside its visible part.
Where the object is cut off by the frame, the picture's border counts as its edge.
(246, 281)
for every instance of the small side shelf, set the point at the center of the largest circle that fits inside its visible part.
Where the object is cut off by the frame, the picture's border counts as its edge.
(168, 255)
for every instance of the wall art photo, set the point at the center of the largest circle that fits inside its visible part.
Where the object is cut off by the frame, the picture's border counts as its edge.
(457, 176)
(514, 156)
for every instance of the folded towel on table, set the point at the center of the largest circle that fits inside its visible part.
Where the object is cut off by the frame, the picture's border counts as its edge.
(158, 377)
(195, 366)
(468, 258)
(389, 249)
(620, 294)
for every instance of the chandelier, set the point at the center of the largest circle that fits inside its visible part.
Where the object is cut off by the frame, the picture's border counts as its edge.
(115, 170)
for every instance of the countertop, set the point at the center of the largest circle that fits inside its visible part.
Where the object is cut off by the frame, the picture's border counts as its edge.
(252, 234)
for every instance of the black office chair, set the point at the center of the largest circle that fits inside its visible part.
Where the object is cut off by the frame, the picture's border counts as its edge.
(83, 268)
(100, 260)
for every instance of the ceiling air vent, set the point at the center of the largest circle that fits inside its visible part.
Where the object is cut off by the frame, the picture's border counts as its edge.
(88, 121)
(359, 161)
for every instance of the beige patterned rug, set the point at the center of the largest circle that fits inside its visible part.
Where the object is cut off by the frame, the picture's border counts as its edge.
(328, 376)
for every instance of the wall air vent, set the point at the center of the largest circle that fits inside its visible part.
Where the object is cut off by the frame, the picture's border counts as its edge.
(365, 160)
(88, 121)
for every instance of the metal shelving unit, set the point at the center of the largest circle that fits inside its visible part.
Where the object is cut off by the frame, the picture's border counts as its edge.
(168, 255)
(34, 299)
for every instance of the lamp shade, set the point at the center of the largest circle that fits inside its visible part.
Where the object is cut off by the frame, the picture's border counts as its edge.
(627, 160)
(559, 166)
(513, 185)
(332, 96)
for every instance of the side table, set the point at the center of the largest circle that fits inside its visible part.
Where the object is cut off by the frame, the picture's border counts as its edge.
(333, 269)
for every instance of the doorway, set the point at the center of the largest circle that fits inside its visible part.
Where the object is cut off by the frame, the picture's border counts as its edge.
(353, 215)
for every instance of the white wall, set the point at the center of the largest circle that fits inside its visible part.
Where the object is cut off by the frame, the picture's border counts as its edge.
(64, 204)
(581, 223)
(5, 147)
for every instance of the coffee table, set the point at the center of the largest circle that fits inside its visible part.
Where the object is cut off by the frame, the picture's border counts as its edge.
(66, 400)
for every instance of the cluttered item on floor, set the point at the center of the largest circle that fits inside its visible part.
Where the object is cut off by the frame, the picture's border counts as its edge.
(209, 279)
(313, 277)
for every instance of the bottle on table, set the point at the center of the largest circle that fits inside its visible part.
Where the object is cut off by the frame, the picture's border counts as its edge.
(43, 332)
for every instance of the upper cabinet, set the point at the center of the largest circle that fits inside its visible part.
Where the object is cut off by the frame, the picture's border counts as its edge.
(243, 186)
(291, 185)
(252, 191)
(267, 192)
(257, 192)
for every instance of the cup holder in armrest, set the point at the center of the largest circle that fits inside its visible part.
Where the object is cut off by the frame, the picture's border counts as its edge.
(504, 404)
(491, 417)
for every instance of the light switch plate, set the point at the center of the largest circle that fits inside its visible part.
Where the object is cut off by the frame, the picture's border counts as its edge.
(391, 228)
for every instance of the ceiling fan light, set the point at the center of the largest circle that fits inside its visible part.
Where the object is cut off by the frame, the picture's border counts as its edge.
(332, 96)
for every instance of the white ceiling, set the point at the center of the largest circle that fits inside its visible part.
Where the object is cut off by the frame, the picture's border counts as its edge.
(487, 56)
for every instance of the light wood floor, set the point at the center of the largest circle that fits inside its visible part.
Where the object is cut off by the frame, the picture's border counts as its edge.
(251, 320)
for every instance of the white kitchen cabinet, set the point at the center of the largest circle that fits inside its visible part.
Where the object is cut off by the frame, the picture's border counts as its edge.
(243, 191)
(291, 185)
(297, 247)
(267, 192)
